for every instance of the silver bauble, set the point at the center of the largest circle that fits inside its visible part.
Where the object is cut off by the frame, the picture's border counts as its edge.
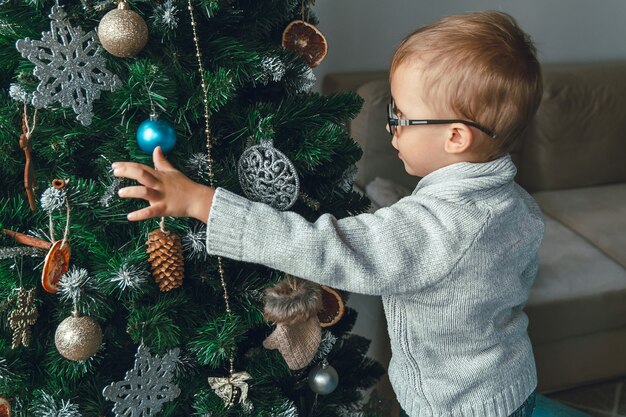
(323, 379)
(122, 32)
(266, 175)
(78, 337)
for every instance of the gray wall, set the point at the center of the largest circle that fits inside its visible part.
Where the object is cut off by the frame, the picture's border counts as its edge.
(362, 34)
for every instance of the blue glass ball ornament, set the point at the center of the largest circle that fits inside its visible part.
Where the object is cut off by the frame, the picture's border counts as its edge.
(156, 132)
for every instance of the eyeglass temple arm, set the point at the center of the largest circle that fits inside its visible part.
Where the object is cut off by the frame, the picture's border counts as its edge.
(404, 122)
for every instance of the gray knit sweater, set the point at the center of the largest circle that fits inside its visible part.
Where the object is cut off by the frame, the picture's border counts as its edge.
(454, 263)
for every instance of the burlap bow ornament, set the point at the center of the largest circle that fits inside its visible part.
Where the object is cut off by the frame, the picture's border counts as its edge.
(232, 389)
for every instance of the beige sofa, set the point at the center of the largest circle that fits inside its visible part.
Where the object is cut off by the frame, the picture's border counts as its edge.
(573, 161)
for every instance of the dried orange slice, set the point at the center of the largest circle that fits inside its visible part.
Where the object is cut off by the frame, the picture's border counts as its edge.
(5, 408)
(56, 264)
(306, 40)
(334, 307)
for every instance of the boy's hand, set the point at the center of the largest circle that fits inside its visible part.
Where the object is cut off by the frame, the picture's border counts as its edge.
(169, 191)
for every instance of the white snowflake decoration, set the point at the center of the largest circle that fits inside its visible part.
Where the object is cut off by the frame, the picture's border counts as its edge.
(194, 243)
(4, 370)
(73, 284)
(18, 93)
(69, 67)
(308, 81)
(147, 386)
(287, 409)
(166, 14)
(53, 199)
(326, 345)
(49, 408)
(198, 164)
(110, 193)
(274, 69)
(130, 277)
(347, 178)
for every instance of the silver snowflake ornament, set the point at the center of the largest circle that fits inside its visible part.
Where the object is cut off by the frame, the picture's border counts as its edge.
(147, 386)
(69, 66)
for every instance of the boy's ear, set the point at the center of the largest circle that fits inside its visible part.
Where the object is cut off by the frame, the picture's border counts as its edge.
(460, 138)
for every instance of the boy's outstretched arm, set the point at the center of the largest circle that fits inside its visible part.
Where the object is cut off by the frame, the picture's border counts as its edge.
(169, 191)
(398, 249)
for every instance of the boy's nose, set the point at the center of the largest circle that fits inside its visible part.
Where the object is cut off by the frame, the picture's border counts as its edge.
(394, 141)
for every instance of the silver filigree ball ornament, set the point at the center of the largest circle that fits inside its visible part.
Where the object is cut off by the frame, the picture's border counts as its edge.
(122, 32)
(323, 379)
(266, 175)
(78, 337)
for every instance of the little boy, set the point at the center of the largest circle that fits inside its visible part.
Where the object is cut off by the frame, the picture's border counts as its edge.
(455, 260)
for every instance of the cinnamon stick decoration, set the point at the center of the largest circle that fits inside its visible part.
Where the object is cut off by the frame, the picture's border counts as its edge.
(27, 240)
(29, 171)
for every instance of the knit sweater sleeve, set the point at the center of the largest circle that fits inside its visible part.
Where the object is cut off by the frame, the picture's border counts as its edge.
(398, 249)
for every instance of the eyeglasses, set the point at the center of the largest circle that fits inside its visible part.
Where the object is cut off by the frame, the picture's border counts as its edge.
(394, 122)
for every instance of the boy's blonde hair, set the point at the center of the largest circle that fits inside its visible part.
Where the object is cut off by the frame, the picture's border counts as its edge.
(480, 66)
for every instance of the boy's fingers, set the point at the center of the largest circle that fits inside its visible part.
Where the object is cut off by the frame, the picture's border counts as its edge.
(160, 162)
(145, 213)
(134, 171)
(137, 191)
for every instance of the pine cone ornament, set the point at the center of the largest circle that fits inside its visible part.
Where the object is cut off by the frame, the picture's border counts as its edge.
(293, 305)
(165, 254)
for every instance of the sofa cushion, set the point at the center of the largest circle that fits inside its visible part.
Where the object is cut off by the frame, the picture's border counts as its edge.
(576, 138)
(581, 285)
(578, 290)
(597, 214)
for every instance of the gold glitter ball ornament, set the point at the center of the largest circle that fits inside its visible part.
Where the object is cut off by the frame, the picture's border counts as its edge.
(122, 32)
(78, 337)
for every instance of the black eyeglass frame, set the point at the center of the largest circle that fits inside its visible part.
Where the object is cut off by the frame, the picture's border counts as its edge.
(394, 121)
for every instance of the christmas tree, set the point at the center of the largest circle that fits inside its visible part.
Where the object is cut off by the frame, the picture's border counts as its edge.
(100, 316)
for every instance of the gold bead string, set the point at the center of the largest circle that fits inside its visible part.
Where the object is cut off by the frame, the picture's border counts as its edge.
(205, 94)
(209, 146)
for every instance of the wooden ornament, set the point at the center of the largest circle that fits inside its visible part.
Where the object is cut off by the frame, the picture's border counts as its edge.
(333, 307)
(56, 264)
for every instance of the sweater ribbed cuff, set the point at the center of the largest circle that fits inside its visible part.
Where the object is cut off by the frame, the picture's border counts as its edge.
(226, 224)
